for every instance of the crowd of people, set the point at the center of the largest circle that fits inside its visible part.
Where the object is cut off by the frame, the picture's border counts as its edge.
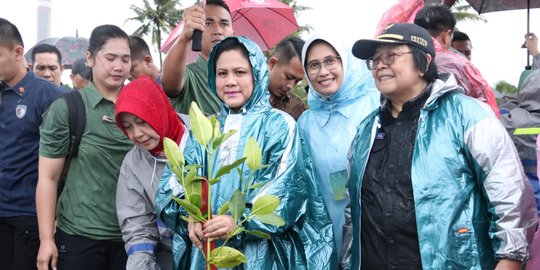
(401, 158)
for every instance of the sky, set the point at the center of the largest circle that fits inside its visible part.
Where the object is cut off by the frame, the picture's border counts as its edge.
(496, 43)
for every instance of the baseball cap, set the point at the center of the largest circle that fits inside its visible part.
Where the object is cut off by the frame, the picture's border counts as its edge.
(80, 66)
(398, 33)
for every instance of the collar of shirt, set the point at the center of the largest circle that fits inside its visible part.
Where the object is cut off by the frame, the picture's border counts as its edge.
(20, 87)
(94, 97)
(411, 108)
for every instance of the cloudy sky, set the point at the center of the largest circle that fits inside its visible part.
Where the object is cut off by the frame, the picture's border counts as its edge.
(496, 51)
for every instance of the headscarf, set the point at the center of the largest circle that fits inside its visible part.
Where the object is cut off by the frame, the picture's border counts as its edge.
(260, 97)
(144, 98)
(357, 79)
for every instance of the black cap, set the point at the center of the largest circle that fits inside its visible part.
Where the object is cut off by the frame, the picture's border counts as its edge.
(80, 66)
(398, 33)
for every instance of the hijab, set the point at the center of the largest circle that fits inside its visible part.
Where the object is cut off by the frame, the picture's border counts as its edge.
(144, 98)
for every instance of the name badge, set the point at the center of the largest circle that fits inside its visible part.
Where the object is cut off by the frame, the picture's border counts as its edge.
(380, 136)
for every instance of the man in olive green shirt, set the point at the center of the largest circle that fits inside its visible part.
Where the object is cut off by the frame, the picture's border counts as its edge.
(184, 84)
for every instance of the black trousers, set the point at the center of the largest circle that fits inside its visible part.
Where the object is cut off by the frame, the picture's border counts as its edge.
(81, 253)
(19, 242)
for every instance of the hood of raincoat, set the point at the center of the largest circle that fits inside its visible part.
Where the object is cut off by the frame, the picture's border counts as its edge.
(355, 73)
(259, 100)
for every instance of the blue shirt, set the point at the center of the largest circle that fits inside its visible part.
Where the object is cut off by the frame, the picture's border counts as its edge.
(21, 110)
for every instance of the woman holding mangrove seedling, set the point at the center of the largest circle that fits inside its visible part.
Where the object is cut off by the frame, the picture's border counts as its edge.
(238, 74)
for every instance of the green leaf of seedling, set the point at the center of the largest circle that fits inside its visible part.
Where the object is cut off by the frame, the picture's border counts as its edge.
(237, 205)
(271, 219)
(238, 231)
(253, 154)
(265, 205)
(195, 192)
(227, 135)
(223, 209)
(188, 179)
(222, 138)
(190, 176)
(201, 127)
(186, 219)
(214, 181)
(192, 166)
(195, 199)
(259, 234)
(215, 127)
(173, 153)
(258, 185)
(226, 257)
(227, 168)
(178, 174)
(192, 210)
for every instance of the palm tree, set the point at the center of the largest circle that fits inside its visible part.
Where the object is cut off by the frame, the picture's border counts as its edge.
(464, 12)
(161, 17)
(297, 10)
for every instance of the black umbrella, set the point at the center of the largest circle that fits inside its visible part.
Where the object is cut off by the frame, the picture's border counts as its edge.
(485, 6)
(71, 48)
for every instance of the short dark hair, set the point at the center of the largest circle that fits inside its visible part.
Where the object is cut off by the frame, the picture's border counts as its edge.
(435, 19)
(220, 3)
(46, 48)
(288, 49)
(102, 34)
(460, 36)
(138, 47)
(9, 34)
(420, 60)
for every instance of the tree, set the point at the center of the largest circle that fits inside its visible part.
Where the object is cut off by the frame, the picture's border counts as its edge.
(464, 12)
(297, 10)
(505, 87)
(161, 17)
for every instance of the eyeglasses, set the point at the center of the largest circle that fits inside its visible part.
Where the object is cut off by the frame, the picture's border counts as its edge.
(387, 59)
(329, 63)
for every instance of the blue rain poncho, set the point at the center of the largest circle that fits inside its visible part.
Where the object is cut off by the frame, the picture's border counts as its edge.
(306, 239)
(329, 126)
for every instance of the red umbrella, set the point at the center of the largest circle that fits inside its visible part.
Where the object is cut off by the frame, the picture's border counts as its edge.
(266, 22)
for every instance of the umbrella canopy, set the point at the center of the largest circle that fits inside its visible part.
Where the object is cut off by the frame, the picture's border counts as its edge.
(266, 22)
(71, 48)
(485, 6)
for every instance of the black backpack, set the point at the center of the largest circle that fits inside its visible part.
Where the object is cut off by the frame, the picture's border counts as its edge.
(77, 122)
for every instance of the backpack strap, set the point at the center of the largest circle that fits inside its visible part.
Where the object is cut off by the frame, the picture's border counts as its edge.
(77, 122)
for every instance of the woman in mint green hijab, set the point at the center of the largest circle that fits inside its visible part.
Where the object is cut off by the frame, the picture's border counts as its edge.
(341, 94)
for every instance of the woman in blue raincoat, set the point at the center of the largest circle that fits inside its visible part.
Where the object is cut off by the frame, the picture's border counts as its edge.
(238, 74)
(342, 93)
